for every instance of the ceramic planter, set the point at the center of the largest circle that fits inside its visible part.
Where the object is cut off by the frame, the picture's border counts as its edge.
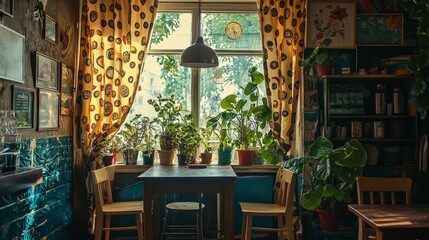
(323, 69)
(246, 157)
(166, 157)
(206, 158)
(329, 219)
(225, 156)
(148, 158)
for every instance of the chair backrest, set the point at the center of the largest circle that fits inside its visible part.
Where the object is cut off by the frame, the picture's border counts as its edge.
(286, 193)
(101, 179)
(378, 187)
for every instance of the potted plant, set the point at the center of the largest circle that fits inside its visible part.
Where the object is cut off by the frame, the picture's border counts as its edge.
(149, 143)
(249, 115)
(221, 126)
(329, 173)
(207, 155)
(169, 113)
(321, 60)
(187, 140)
(133, 138)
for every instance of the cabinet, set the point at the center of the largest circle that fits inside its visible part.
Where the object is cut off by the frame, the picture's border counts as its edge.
(378, 111)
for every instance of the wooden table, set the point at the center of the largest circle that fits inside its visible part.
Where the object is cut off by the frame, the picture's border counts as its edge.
(395, 222)
(181, 179)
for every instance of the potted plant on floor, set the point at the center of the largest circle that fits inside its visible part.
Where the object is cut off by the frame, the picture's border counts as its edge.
(168, 116)
(187, 140)
(330, 174)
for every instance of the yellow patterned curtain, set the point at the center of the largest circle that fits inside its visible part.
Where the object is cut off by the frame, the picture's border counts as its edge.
(113, 45)
(283, 27)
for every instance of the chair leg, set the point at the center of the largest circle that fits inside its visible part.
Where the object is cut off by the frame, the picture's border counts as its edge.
(243, 227)
(289, 228)
(280, 227)
(107, 225)
(98, 225)
(361, 232)
(139, 226)
(164, 229)
(249, 219)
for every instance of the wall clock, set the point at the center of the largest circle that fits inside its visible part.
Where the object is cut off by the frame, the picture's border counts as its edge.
(233, 30)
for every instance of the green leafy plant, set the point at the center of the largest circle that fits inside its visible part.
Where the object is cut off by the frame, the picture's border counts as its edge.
(149, 136)
(321, 56)
(133, 133)
(188, 137)
(247, 113)
(329, 172)
(206, 134)
(169, 115)
(419, 61)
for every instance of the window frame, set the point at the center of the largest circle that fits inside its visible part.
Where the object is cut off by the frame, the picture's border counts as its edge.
(207, 7)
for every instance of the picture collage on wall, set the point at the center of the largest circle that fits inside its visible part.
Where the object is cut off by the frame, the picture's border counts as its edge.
(53, 80)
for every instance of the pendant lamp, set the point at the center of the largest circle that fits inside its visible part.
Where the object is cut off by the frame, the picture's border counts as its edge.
(199, 55)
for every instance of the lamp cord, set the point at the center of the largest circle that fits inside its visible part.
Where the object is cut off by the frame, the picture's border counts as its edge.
(199, 19)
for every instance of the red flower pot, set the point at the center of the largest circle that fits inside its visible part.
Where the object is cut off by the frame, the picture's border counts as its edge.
(329, 219)
(245, 157)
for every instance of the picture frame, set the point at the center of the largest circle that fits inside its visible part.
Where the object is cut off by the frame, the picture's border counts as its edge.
(331, 30)
(66, 90)
(47, 72)
(23, 106)
(6, 7)
(50, 29)
(12, 55)
(48, 117)
(380, 29)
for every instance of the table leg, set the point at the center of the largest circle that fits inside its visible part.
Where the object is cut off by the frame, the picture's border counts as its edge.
(228, 211)
(156, 215)
(379, 234)
(148, 232)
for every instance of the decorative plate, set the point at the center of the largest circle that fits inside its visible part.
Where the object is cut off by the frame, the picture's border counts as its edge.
(233, 30)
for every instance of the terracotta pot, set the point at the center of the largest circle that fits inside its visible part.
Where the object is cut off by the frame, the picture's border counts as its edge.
(206, 158)
(246, 157)
(329, 219)
(166, 157)
(323, 69)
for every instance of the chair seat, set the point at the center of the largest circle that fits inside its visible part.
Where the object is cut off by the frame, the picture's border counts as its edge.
(262, 208)
(184, 206)
(123, 207)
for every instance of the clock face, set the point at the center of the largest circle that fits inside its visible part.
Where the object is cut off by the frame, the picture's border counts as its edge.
(233, 30)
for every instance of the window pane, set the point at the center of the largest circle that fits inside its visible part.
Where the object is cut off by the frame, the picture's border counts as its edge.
(214, 31)
(162, 75)
(171, 31)
(217, 83)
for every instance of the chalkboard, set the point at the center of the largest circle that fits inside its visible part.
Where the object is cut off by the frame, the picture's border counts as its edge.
(23, 106)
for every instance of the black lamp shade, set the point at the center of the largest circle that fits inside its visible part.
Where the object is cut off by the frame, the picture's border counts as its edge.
(199, 55)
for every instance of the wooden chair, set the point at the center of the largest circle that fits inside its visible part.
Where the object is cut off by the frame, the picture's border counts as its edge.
(377, 188)
(282, 210)
(105, 207)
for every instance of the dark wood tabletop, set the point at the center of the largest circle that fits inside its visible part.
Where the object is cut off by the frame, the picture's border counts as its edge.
(184, 172)
(395, 221)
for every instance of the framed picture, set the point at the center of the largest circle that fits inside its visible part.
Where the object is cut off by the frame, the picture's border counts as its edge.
(6, 7)
(47, 70)
(66, 90)
(331, 24)
(48, 111)
(12, 50)
(50, 27)
(23, 106)
(380, 29)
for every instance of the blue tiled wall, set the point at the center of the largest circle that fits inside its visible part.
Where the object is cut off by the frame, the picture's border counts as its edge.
(45, 210)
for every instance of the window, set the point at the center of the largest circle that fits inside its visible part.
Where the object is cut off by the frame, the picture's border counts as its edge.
(200, 91)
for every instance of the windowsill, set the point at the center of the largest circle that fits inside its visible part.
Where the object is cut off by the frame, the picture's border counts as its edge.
(237, 168)
(21, 178)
